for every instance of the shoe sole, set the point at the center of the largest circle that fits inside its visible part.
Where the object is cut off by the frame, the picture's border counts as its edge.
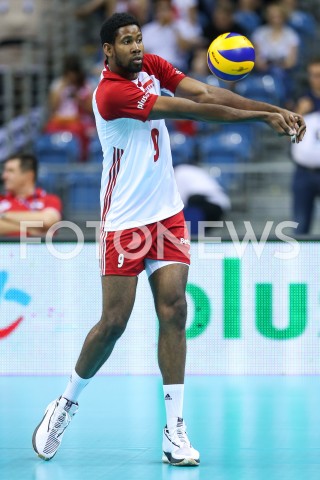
(185, 462)
(34, 442)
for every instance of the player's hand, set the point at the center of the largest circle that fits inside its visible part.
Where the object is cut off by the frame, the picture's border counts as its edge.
(280, 125)
(296, 121)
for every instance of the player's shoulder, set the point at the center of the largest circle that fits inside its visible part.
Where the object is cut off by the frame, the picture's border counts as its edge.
(112, 83)
(153, 63)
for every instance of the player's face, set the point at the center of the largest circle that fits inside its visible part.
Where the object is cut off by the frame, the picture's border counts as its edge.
(13, 177)
(126, 55)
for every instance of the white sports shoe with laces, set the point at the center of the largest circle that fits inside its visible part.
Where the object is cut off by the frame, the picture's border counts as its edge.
(176, 446)
(48, 435)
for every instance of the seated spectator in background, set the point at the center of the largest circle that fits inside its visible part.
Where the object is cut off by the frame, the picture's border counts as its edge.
(310, 100)
(306, 177)
(70, 103)
(187, 10)
(276, 45)
(19, 27)
(107, 8)
(170, 38)
(23, 201)
(221, 21)
(198, 189)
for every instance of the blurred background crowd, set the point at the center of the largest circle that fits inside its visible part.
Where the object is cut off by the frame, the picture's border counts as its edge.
(50, 63)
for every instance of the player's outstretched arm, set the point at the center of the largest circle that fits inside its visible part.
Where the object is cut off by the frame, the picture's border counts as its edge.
(202, 93)
(183, 108)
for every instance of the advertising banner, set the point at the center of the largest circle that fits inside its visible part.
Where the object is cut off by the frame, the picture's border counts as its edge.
(252, 309)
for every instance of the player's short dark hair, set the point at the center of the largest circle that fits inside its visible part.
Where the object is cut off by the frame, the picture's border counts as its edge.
(28, 162)
(111, 26)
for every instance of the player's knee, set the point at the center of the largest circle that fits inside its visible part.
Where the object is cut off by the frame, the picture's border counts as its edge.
(174, 314)
(113, 326)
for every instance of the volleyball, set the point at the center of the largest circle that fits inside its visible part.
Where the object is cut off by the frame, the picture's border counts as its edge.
(231, 57)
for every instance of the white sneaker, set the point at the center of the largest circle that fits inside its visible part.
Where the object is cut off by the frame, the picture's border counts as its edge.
(48, 435)
(176, 446)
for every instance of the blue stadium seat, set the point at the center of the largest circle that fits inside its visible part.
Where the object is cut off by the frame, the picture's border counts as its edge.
(182, 148)
(95, 151)
(225, 147)
(84, 191)
(47, 179)
(303, 23)
(265, 88)
(55, 148)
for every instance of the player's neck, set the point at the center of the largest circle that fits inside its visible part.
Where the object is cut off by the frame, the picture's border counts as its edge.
(122, 72)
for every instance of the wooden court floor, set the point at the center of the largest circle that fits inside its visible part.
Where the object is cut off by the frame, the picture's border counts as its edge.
(246, 428)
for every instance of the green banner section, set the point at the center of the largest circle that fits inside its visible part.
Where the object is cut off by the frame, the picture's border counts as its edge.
(231, 298)
(297, 311)
(202, 311)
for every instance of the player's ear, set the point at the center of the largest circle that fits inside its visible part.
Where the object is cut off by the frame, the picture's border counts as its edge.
(108, 49)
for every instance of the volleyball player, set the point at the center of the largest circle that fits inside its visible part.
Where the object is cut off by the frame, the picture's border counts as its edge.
(142, 224)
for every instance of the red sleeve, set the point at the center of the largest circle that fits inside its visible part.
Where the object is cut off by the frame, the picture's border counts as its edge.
(123, 99)
(52, 201)
(169, 76)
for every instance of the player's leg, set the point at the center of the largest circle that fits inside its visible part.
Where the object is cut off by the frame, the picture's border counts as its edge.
(168, 285)
(118, 299)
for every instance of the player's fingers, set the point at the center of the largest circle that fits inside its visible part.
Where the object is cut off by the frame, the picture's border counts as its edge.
(292, 120)
(301, 127)
(301, 133)
(288, 129)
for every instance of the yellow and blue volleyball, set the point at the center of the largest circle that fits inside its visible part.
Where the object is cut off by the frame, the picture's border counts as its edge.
(231, 57)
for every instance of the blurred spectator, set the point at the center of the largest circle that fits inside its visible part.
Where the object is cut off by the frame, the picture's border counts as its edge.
(187, 10)
(19, 25)
(201, 191)
(106, 7)
(310, 100)
(138, 8)
(306, 177)
(221, 21)
(70, 102)
(169, 38)
(23, 201)
(276, 46)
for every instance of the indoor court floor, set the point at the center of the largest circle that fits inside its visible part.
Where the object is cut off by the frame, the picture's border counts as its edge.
(246, 428)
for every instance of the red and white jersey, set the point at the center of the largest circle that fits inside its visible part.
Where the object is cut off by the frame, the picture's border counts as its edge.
(138, 185)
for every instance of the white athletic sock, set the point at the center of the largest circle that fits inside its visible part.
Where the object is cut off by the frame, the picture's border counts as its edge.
(75, 386)
(173, 399)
